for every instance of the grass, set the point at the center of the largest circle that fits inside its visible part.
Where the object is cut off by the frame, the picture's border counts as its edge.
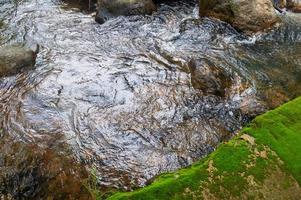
(240, 168)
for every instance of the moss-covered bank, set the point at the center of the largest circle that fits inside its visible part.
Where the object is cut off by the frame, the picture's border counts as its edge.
(262, 162)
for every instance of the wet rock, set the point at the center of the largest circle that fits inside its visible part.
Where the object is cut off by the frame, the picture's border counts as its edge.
(209, 78)
(112, 8)
(245, 15)
(252, 107)
(294, 5)
(15, 58)
(275, 97)
(28, 171)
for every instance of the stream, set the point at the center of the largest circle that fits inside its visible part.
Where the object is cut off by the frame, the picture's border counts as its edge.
(125, 96)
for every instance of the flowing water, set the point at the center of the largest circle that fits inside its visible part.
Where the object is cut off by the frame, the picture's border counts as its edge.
(125, 95)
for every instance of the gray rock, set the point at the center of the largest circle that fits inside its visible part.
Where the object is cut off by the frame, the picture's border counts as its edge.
(15, 58)
(113, 8)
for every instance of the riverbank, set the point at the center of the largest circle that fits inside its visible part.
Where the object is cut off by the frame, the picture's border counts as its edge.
(262, 162)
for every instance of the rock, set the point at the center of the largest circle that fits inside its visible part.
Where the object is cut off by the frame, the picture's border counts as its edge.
(29, 171)
(280, 3)
(294, 5)
(274, 97)
(252, 107)
(15, 58)
(209, 78)
(248, 16)
(112, 8)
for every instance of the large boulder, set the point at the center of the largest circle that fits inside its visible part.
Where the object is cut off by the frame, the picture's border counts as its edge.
(248, 16)
(112, 8)
(15, 58)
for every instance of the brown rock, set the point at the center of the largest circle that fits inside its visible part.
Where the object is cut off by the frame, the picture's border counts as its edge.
(282, 3)
(248, 16)
(28, 171)
(209, 78)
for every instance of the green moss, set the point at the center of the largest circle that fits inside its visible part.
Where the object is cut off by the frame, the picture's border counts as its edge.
(281, 131)
(234, 166)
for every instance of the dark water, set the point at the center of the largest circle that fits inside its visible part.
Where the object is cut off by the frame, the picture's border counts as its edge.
(123, 94)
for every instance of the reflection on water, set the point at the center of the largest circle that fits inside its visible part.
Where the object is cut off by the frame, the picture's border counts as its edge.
(124, 93)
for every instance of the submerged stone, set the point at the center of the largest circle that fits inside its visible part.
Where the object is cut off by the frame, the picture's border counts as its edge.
(209, 78)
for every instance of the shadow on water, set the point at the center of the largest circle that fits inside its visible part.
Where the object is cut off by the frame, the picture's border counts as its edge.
(141, 95)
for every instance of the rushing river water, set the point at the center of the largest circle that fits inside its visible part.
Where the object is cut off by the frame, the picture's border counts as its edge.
(125, 95)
